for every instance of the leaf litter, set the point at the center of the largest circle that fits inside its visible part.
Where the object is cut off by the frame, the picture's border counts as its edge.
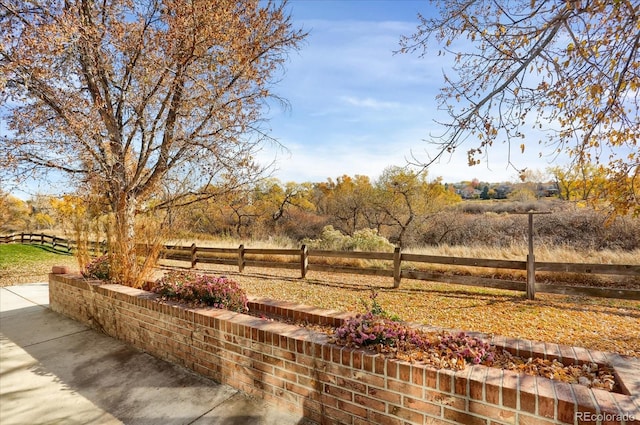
(598, 324)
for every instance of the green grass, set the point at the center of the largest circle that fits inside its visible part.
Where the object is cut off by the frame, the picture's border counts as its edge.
(30, 263)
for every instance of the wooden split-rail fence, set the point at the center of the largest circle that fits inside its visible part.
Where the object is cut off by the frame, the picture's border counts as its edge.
(397, 265)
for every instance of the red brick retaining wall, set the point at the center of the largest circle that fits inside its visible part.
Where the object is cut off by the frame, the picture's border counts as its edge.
(299, 370)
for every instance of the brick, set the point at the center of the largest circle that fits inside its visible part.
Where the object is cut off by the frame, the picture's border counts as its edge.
(404, 372)
(368, 362)
(392, 369)
(627, 406)
(568, 355)
(404, 388)
(492, 385)
(552, 351)
(585, 402)
(461, 381)
(463, 418)
(524, 348)
(339, 393)
(430, 377)
(351, 385)
(383, 418)
(582, 355)
(372, 380)
(606, 406)
(352, 409)
(406, 414)
(498, 340)
(505, 416)
(546, 397)
(417, 375)
(599, 357)
(336, 354)
(380, 364)
(537, 348)
(511, 345)
(510, 390)
(357, 359)
(524, 419)
(422, 406)
(527, 393)
(476, 382)
(370, 403)
(435, 421)
(443, 399)
(346, 357)
(336, 416)
(385, 395)
(445, 380)
(566, 403)
(296, 372)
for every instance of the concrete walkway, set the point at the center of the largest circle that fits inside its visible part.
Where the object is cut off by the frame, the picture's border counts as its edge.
(54, 370)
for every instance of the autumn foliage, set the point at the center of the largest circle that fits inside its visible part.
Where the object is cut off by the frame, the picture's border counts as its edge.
(147, 103)
(565, 73)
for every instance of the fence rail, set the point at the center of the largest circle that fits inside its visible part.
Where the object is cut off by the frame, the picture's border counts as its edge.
(53, 242)
(400, 265)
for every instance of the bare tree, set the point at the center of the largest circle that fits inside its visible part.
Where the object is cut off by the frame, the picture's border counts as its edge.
(129, 97)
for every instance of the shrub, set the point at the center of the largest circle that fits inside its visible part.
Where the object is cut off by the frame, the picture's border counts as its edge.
(470, 349)
(362, 240)
(217, 292)
(375, 329)
(98, 268)
(369, 329)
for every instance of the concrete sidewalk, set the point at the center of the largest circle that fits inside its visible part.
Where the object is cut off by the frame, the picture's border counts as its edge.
(54, 370)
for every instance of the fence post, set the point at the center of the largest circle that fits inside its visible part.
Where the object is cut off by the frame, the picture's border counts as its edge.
(194, 255)
(21, 237)
(531, 263)
(396, 267)
(241, 258)
(304, 261)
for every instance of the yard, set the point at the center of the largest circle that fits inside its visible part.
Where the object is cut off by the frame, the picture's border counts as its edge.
(593, 323)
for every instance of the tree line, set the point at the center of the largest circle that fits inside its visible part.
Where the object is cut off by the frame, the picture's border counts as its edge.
(401, 206)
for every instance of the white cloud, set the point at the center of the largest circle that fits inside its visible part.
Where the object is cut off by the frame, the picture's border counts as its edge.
(369, 102)
(356, 107)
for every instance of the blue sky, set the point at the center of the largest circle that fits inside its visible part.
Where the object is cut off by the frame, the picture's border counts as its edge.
(357, 108)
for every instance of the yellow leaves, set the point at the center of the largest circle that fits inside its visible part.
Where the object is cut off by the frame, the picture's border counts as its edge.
(69, 206)
(595, 91)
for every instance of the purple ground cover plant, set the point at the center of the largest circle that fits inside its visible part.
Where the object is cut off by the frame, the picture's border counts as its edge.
(202, 289)
(378, 331)
(98, 268)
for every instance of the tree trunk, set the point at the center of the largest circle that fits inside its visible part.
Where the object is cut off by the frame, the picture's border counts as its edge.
(124, 265)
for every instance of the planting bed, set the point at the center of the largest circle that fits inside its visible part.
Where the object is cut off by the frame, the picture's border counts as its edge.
(504, 357)
(301, 370)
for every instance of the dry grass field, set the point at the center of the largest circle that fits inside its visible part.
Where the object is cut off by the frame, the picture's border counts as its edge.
(594, 323)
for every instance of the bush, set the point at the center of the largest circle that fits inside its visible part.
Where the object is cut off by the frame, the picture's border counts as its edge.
(376, 329)
(98, 268)
(217, 292)
(453, 351)
(362, 240)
